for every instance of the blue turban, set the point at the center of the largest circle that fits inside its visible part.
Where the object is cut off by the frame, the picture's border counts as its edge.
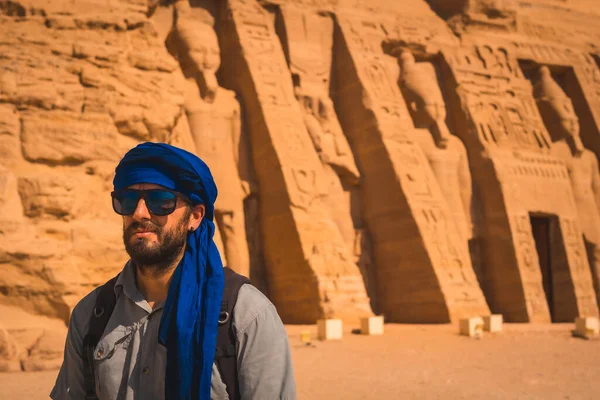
(188, 327)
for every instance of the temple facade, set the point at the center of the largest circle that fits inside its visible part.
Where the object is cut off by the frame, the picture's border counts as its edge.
(424, 160)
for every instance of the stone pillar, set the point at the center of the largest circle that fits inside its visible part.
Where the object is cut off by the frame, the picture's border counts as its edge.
(424, 273)
(444, 151)
(310, 269)
(308, 52)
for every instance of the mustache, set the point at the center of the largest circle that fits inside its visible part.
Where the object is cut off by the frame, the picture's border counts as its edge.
(147, 226)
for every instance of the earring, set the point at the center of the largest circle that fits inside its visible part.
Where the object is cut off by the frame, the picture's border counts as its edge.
(191, 229)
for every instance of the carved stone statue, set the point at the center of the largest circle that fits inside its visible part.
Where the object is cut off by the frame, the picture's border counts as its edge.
(309, 55)
(215, 121)
(563, 125)
(446, 153)
(334, 152)
(199, 59)
(327, 135)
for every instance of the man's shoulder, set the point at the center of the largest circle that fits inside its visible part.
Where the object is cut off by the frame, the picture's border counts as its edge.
(250, 303)
(83, 310)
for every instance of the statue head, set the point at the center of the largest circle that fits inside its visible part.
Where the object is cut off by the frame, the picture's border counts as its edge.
(420, 88)
(200, 46)
(557, 110)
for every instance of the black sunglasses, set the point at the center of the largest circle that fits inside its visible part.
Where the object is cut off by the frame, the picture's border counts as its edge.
(158, 201)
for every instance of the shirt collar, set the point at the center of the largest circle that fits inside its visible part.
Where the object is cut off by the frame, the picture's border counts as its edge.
(126, 282)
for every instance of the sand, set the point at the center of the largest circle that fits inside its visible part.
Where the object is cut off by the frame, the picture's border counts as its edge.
(422, 362)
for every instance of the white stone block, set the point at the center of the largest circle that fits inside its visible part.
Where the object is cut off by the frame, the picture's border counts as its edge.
(329, 329)
(371, 326)
(587, 327)
(492, 323)
(472, 327)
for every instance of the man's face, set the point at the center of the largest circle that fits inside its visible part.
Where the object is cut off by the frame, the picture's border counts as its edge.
(154, 241)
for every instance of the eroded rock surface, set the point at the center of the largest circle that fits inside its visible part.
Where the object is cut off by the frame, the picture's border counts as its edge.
(80, 84)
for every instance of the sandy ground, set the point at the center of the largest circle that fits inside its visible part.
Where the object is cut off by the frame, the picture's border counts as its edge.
(422, 362)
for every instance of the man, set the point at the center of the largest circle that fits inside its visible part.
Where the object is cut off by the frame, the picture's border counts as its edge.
(161, 337)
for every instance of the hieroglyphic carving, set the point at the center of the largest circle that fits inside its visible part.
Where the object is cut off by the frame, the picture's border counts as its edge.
(525, 243)
(502, 115)
(308, 51)
(417, 182)
(586, 71)
(536, 166)
(378, 71)
(498, 98)
(563, 124)
(530, 276)
(428, 212)
(436, 226)
(290, 177)
(502, 118)
(445, 152)
(572, 238)
(583, 281)
(256, 34)
(215, 121)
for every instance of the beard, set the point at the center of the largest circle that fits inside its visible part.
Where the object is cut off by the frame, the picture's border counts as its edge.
(156, 258)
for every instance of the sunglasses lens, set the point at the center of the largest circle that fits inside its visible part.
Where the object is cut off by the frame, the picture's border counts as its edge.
(125, 202)
(161, 202)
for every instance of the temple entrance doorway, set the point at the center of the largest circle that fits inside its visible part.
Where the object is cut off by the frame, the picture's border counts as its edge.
(541, 229)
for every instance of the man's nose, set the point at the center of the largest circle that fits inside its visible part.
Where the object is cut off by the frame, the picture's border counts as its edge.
(141, 211)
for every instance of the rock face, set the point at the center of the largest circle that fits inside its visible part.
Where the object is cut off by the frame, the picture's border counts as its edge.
(29, 342)
(80, 84)
(423, 160)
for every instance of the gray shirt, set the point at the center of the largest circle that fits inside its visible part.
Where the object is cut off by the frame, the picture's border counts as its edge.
(130, 363)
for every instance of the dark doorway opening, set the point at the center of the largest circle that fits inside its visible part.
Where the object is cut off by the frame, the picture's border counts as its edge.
(541, 228)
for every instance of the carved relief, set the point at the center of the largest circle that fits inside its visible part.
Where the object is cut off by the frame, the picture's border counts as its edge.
(582, 165)
(292, 179)
(504, 121)
(308, 52)
(498, 97)
(445, 152)
(390, 130)
(215, 121)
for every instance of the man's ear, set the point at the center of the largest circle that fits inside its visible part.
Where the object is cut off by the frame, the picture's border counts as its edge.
(198, 212)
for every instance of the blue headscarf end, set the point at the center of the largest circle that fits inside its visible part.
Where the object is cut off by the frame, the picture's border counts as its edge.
(189, 322)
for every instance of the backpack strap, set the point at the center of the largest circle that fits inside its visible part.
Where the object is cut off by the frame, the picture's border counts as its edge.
(225, 354)
(105, 304)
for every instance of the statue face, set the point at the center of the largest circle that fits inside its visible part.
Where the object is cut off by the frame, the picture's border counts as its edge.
(435, 111)
(566, 123)
(207, 56)
(569, 122)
